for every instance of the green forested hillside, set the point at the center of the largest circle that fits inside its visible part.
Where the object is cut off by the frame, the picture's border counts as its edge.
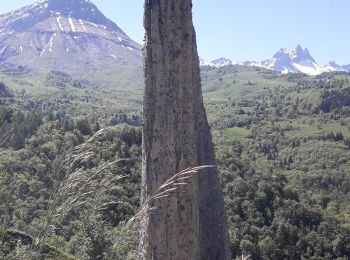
(284, 158)
(58, 93)
(282, 144)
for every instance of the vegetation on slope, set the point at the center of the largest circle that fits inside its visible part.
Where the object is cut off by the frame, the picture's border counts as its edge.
(282, 147)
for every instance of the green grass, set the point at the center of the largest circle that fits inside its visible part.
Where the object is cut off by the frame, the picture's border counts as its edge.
(244, 82)
(307, 125)
(20, 81)
(302, 126)
(337, 128)
(236, 133)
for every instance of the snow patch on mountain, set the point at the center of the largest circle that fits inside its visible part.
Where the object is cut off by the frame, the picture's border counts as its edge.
(203, 62)
(308, 67)
(82, 24)
(59, 23)
(71, 24)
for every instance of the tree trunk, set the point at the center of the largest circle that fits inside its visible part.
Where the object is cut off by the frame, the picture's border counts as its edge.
(190, 224)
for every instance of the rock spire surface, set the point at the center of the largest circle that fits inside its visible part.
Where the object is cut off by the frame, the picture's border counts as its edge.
(191, 223)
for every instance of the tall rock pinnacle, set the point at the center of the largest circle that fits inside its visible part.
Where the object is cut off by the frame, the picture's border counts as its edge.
(191, 223)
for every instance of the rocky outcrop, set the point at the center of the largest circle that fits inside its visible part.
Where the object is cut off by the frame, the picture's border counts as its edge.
(190, 224)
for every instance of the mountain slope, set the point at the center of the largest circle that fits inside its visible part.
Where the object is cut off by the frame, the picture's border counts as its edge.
(72, 36)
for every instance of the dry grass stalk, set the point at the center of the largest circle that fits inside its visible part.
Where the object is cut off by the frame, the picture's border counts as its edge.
(168, 188)
(75, 186)
(245, 257)
(5, 137)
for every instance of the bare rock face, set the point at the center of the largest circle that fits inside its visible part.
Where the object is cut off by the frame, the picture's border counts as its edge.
(190, 224)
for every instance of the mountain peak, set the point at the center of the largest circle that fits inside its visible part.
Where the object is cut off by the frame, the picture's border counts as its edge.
(59, 2)
(332, 63)
(298, 48)
(333, 66)
(221, 62)
(297, 60)
(41, 35)
(281, 53)
(79, 9)
(300, 54)
(28, 16)
(73, 8)
(65, 4)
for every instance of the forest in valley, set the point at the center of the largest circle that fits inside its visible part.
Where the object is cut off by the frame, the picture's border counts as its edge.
(70, 166)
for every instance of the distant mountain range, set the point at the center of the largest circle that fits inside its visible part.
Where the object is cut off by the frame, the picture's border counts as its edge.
(74, 37)
(298, 60)
(71, 36)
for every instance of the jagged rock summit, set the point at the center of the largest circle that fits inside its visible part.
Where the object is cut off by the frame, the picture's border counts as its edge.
(299, 54)
(298, 60)
(221, 62)
(333, 66)
(72, 36)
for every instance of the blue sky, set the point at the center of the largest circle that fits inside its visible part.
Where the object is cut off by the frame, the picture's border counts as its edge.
(248, 29)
